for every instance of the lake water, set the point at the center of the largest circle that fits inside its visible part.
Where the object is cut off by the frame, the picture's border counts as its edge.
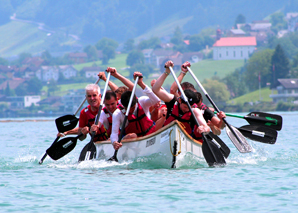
(264, 180)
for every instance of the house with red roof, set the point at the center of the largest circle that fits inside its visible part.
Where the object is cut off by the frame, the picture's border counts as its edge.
(234, 48)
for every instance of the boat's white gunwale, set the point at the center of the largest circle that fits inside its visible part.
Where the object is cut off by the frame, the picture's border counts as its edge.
(155, 133)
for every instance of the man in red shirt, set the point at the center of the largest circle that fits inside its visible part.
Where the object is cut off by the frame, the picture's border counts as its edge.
(88, 114)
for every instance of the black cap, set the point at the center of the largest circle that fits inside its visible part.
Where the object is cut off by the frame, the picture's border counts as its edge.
(192, 97)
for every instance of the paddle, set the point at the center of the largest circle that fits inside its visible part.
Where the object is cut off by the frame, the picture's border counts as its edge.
(225, 150)
(211, 151)
(235, 136)
(65, 123)
(114, 157)
(89, 151)
(62, 147)
(68, 122)
(261, 118)
(259, 133)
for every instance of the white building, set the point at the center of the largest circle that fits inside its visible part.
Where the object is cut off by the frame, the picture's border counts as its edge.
(46, 73)
(286, 91)
(68, 71)
(92, 72)
(33, 99)
(234, 48)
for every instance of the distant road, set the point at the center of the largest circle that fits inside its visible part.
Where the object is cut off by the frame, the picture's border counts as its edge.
(41, 26)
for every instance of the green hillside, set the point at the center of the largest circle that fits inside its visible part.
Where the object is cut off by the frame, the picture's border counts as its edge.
(208, 68)
(119, 62)
(254, 96)
(203, 69)
(165, 28)
(17, 37)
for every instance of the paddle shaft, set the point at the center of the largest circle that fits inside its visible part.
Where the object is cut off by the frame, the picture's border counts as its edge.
(253, 118)
(76, 112)
(98, 115)
(205, 141)
(114, 157)
(213, 104)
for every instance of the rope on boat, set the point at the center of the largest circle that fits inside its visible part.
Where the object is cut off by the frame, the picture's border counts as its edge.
(171, 144)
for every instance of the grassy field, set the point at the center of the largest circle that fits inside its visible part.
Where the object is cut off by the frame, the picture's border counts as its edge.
(254, 96)
(207, 69)
(119, 62)
(203, 69)
(17, 37)
(165, 28)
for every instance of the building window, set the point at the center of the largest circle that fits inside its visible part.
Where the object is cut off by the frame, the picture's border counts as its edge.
(241, 54)
(227, 53)
(219, 55)
(234, 54)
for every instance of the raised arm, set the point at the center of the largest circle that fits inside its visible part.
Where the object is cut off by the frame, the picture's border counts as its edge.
(162, 94)
(174, 87)
(120, 77)
(102, 76)
(203, 125)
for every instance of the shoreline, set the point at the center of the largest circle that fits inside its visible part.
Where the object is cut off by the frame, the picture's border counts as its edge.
(26, 120)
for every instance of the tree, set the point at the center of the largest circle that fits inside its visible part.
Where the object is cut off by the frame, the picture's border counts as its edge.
(135, 57)
(23, 56)
(278, 22)
(45, 55)
(108, 47)
(35, 86)
(8, 91)
(287, 42)
(217, 90)
(294, 67)
(240, 19)
(196, 43)
(177, 37)
(101, 44)
(279, 65)
(145, 69)
(236, 83)
(91, 51)
(128, 45)
(150, 43)
(21, 90)
(3, 61)
(108, 53)
(52, 86)
(259, 63)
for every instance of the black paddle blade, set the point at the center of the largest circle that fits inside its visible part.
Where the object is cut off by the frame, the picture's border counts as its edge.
(266, 119)
(45, 155)
(66, 122)
(242, 145)
(259, 133)
(88, 152)
(225, 150)
(114, 157)
(212, 153)
(62, 147)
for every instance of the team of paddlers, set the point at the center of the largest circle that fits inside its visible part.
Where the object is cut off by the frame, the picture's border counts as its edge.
(147, 113)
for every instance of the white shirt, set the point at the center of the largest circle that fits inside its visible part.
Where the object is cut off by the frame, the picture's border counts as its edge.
(103, 119)
(145, 101)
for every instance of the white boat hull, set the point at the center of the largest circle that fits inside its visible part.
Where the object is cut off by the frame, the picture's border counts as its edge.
(160, 142)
